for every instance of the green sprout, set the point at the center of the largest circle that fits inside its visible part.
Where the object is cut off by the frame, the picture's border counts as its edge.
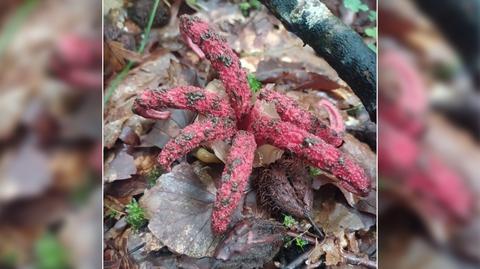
(253, 82)
(300, 242)
(289, 221)
(248, 5)
(371, 32)
(49, 253)
(112, 214)
(314, 171)
(355, 5)
(153, 175)
(372, 15)
(135, 215)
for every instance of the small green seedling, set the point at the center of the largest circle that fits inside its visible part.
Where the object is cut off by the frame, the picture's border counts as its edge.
(153, 175)
(314, 171)
(289, 221)
(355, 5)
(49, 253)
(371, 32)
(248, 5)
(253, 82)
(135, 215)
(300, 242)
(372, 15)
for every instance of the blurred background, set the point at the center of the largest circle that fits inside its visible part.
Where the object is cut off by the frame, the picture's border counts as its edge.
(429, 131)
(50, 134)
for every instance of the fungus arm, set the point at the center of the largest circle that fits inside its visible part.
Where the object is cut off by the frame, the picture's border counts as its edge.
(311, 148)
(234, 180)
(289, 111)
(223, 60)
(192, 136)
(151, 102)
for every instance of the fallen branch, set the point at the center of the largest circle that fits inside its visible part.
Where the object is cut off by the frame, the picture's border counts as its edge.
(350, 258)
(339, 45)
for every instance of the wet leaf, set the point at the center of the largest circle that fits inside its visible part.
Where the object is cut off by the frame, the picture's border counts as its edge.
(163, 130)
(295, 74)
(335, 217)
(250, 244)
(25, 173)
(122, 166)
(179, 207)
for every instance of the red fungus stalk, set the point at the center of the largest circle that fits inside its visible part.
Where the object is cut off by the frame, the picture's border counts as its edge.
(240, 117)
(238, 168)
(290, 111)
(223, 60)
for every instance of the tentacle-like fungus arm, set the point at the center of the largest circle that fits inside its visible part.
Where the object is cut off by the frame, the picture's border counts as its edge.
(151, 102)
(310, 148)
(234, 180)
(223, 60)
(334, 116)
(193, 135)
(289, 111)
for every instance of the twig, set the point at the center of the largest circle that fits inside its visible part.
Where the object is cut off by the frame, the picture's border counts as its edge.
(114, 210)
(352, 259)
(136, 248)
(315, 227)
(119, 78)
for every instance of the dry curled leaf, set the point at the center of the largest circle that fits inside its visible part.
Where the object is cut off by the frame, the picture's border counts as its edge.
(336, 218)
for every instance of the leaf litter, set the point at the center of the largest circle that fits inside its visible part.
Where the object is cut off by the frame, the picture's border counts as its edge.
(178, 204)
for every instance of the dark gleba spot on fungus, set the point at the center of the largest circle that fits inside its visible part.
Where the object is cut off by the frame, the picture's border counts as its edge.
(225, 201)
(236, 163)
(206, 35)
(308, 142)
(225, 59)
(193, 97)
(184, 137)
(234, 187)
(226, 178)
